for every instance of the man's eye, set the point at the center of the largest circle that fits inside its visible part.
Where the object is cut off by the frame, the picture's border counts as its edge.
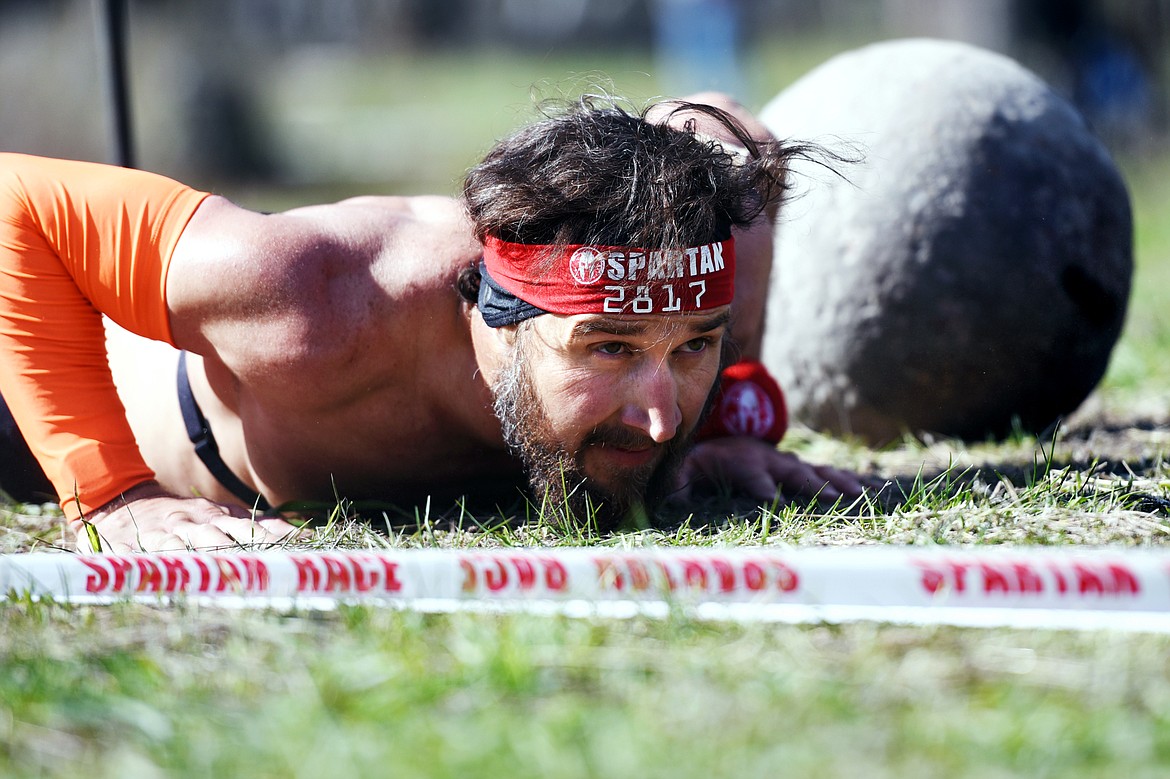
(612, 348)
(696, 345)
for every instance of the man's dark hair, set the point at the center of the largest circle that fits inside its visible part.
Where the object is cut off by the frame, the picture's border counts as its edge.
(595, 173)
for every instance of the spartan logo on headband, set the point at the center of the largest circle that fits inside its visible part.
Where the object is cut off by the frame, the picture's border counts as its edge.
(586, 265)
(610, 279)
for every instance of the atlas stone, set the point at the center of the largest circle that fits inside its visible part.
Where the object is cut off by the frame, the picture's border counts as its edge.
(970, 274)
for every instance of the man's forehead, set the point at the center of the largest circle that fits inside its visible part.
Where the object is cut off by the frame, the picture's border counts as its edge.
(580, 325)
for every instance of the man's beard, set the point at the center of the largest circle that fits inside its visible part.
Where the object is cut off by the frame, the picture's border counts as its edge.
(557, 476)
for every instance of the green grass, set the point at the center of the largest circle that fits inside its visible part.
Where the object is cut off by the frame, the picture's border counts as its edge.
(1141, 362)
(193, 692)
(369, 692)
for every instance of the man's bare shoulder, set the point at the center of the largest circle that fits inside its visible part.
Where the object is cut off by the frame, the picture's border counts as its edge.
(384, 208)
(230, 257)
(430, 208)
(315, 284)
(408, 241)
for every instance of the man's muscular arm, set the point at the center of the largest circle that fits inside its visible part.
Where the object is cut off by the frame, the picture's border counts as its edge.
(78, 240)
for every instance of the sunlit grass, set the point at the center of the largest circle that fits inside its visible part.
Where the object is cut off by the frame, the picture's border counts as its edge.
(367, 692)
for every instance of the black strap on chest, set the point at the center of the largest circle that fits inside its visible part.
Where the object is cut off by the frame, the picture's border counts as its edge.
(199, 431)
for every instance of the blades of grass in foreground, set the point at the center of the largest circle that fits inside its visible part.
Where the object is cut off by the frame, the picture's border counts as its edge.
(366, 692)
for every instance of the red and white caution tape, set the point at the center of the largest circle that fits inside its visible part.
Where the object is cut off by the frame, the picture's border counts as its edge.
(1051, 587)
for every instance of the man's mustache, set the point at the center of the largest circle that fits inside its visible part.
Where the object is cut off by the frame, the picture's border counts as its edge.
(620, 437)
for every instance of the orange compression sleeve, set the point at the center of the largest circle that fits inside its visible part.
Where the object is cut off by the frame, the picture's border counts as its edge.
(78, 240)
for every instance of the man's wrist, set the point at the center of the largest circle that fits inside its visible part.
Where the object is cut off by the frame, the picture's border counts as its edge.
(143, 489)
(749, 403)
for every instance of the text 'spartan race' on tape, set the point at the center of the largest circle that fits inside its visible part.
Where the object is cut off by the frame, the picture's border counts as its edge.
(1074, 588)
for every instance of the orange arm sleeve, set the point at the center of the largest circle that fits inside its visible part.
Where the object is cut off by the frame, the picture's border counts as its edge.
(78, 240)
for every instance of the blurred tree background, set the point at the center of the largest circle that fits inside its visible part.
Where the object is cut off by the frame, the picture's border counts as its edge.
(279, 102)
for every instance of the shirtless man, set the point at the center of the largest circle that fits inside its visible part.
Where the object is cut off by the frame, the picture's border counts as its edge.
(396, 348)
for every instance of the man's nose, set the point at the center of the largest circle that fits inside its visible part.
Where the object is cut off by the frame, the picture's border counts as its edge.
(652, 402)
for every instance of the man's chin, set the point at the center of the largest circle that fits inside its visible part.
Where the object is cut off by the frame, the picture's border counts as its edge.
(601, 504)
(607, 496)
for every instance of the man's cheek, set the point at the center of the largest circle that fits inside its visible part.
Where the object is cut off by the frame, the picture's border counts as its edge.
(698, 397)
(573, 414)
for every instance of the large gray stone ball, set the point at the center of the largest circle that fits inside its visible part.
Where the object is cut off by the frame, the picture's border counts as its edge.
(972, 272)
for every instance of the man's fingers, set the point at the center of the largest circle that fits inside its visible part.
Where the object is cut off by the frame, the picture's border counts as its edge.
(847, 484)
(851, 484)
(160, 541)
(755, 469)
(822, 489)
(823, 482)
(201, 535)
(85, 546)
(758, 485)
(180, 535)
(284, 530)
(799, 478)
(258, 531)
(163, 523)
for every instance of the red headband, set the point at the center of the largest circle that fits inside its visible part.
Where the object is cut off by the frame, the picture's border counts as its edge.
(614, 279)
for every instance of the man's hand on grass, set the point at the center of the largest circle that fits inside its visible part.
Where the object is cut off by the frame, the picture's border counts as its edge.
(149, 519)
(755, 468)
